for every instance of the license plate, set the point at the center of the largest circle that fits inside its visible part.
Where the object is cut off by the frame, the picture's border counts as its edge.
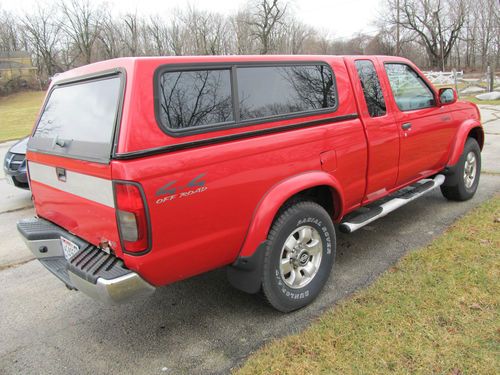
(69, 248)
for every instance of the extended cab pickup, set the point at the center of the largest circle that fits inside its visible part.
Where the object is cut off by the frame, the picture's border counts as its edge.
(146, 171)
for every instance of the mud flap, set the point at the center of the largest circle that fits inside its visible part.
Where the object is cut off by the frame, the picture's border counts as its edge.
(245, 273)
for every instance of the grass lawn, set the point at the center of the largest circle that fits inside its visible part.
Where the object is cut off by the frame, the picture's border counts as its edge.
(435, 312)
(18, 113)
(484, 102)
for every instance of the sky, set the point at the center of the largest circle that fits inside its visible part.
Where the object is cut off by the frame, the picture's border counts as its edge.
(339, 18)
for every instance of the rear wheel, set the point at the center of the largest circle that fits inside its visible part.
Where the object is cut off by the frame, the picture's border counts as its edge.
(299, 256)
(468, 171)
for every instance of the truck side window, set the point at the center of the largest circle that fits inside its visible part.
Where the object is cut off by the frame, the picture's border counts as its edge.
(371, 88)
(409, 89)
(280, 90)
(194, 98)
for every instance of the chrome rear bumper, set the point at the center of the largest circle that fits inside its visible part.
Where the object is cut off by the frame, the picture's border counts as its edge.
(120, 289)
(94, 272)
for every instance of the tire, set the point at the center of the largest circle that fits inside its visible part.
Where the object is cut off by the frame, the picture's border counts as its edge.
(298, 281)
(462, 185)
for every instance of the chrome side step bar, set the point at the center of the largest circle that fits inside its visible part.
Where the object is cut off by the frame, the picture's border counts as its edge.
(354, 222)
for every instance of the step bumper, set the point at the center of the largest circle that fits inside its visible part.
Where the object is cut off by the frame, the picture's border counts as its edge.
(91, 270)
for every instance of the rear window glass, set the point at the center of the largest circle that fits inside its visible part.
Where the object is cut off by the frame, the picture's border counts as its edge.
(269, 91)
(190, 99)
(78, 120)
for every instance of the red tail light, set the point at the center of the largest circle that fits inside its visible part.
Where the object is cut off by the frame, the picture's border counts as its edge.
(131, 217)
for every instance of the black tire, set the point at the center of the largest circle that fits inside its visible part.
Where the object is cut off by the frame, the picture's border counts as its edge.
(454, 187)
(293, 220)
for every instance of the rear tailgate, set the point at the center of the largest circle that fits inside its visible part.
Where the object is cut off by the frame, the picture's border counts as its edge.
(69, 157)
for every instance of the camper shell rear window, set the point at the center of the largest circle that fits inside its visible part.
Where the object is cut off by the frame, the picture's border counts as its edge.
(79, 119)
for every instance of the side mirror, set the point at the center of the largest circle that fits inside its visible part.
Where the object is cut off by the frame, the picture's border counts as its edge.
(447, 96)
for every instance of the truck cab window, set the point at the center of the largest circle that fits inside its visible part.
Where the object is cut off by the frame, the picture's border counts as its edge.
(409, 89)
(371, 88)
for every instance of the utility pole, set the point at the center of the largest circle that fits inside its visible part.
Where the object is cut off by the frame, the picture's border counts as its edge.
(397, 29)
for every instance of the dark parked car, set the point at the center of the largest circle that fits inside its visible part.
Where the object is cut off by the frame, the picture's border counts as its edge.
(14, 165)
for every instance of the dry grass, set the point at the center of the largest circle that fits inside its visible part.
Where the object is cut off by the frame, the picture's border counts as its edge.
(435, 312)
(18, 113)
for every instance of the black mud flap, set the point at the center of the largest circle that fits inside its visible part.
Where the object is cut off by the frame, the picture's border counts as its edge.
(245, 273)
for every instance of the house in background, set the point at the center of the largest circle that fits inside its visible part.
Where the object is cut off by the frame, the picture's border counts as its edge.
(17, 65)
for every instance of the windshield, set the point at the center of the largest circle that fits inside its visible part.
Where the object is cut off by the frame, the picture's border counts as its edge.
(78, 120)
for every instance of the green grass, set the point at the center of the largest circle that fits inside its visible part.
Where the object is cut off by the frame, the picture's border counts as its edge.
(477, 101)
(435, 312)
(18, 113)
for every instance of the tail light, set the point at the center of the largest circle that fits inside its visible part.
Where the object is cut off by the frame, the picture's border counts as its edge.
(131, 215)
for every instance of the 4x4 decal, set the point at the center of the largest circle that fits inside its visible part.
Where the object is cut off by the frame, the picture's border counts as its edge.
(169, 191)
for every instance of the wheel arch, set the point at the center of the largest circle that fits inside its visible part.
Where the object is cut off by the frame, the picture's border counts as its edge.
(468, 129)
(318, 186)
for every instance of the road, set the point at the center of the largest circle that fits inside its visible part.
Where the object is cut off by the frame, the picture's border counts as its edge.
(201, 325)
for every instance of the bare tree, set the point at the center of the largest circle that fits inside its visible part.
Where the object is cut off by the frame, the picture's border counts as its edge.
(109, 38)
(296, 35)
(177, 36)
(43, 36)
(207, 32)
(433, 33)
(266, 16)
(243, 33)
(436, 23)
(82, 24)
(130, 34)
(486, 13)
(157, 30)
(9, 33)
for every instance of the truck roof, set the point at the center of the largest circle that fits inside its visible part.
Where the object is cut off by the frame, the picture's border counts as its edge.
(128, 63)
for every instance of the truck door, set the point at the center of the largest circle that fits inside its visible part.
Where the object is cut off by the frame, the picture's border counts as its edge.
(425, 129)
(380, 126)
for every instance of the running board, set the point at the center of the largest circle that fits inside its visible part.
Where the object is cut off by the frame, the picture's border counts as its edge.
(405, 196)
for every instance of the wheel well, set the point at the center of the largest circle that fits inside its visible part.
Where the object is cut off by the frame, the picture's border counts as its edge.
(478, 135)
(323, 195)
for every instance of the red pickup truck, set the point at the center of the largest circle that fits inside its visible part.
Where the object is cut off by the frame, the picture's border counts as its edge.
(146, 171)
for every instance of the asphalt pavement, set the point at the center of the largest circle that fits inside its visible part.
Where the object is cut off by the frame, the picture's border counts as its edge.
(197, 326)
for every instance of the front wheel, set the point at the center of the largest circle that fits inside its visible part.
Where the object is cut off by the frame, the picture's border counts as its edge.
(299, 256)
(468, 171)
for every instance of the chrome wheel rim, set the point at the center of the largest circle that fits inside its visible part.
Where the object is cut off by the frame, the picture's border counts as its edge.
(301, 257)
(470, 169)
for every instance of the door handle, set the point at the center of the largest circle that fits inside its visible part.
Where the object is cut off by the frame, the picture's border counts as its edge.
(406, 126)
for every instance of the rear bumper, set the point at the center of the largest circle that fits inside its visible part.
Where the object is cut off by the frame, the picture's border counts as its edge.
(91, 270)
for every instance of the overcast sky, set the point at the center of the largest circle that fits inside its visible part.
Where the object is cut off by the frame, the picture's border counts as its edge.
(340, 18)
